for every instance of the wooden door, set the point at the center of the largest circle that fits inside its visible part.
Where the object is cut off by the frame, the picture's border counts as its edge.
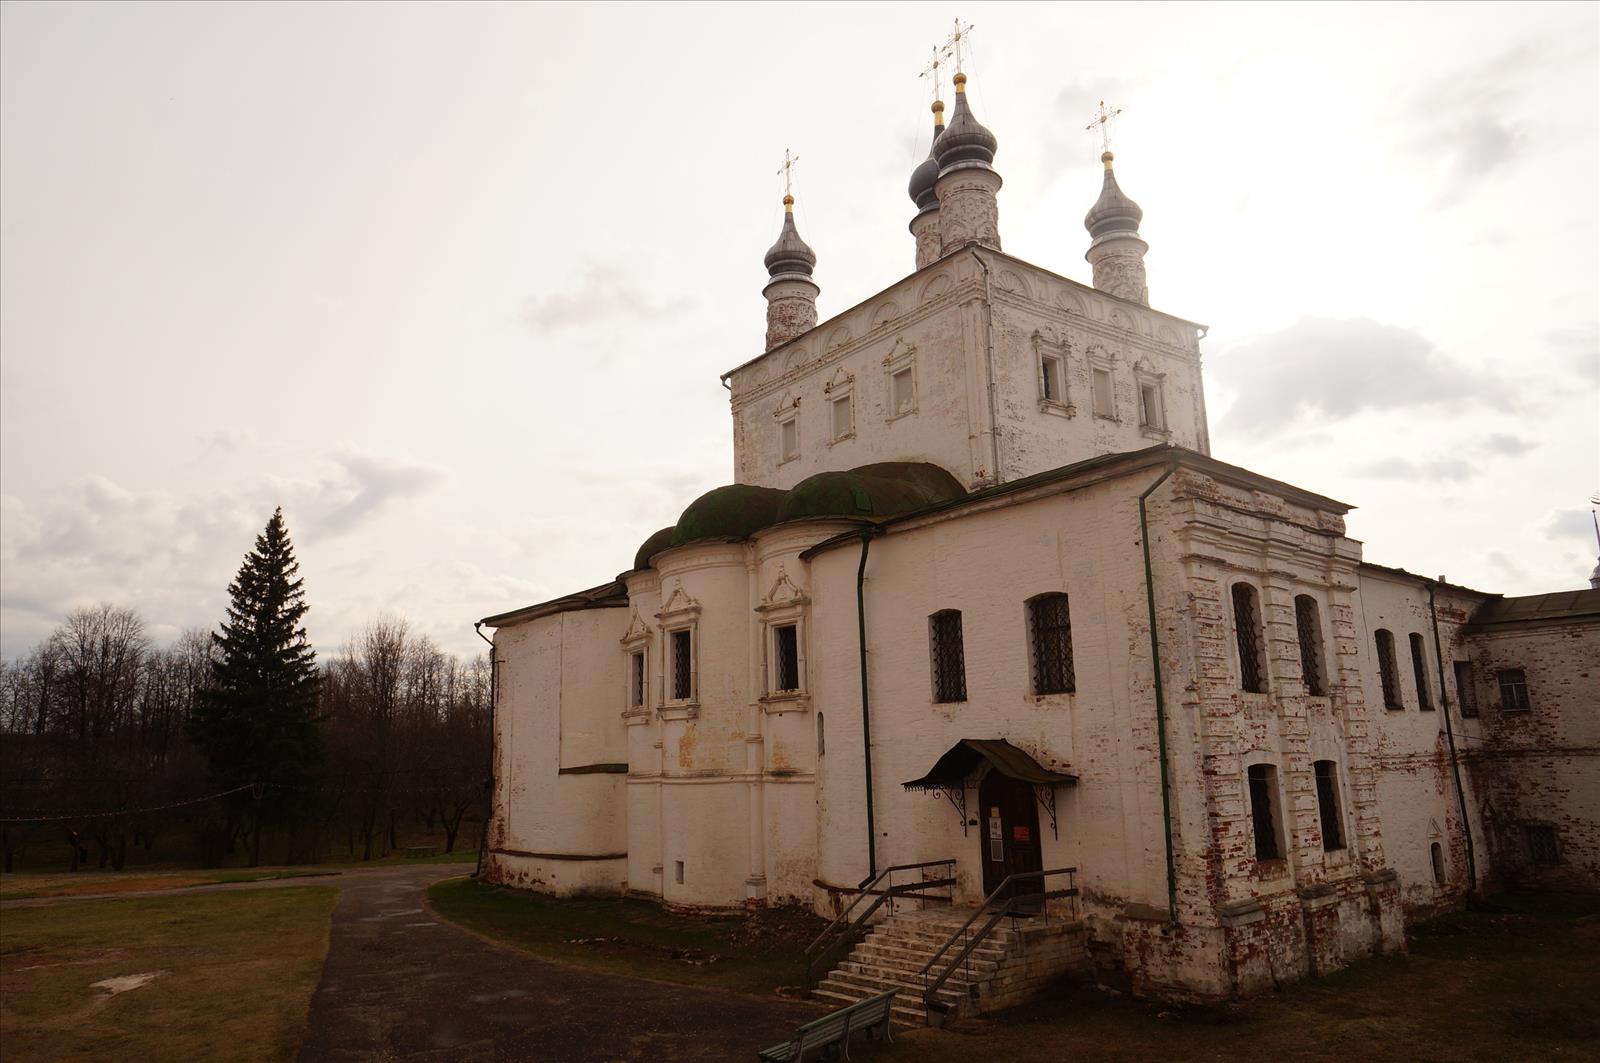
(1010, 839)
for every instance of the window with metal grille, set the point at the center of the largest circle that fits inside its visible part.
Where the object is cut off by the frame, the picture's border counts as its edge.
(1247, 628)
(1419, 671)
(1436, 852)
(1466, 691)
(785, 658)
(1388, 677)
(682, 665)
(1543, 847)
(1050, 625)
(1327, 773)
(1513, 690)
(636, 679)
(949, 657)
(1308, 624)
(1263, 815)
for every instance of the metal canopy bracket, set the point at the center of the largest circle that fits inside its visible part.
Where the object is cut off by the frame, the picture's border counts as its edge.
(956, 794)
(1046, 793)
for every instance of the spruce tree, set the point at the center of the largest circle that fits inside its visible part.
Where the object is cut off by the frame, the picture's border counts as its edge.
(257, 719)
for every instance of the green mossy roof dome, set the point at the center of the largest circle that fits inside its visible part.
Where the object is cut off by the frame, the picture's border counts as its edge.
(653, 546)
(732, 512)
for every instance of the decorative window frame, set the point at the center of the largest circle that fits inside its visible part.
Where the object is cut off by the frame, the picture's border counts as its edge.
(1144, 376)
(680, 612)
(636, 639)
(1098, 358)
(841, 388)
(1282, 829)
(900, 358)
(1059, 352)
(784, 604)
(788, 412)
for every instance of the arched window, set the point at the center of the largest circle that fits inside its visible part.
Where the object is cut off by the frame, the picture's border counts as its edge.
(1388, 675)
(1308, 624)
(1050, 644)
(1419, 671)
(1247, 629)
(1328, 811)
(1264, 817)
(1437, 852)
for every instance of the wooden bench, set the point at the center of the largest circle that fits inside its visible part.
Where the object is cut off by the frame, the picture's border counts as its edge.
(833, 1031)
(420, 850)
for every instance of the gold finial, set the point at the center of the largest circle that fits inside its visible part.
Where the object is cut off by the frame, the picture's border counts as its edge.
(961, 82)
(788, 204)
(938, 114)
(1106, 158)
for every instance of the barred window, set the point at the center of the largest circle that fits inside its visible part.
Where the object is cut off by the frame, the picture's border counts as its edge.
(1050, 629)
(1513, 690)
(1543, 847)
(1387, 674)
(949, 657)
(682, 665)
(1327, 773)
(785, 658)
(1466, 692)
(1247, 626)
(1263, 812)
(1420, 672)
(1309, 626)
(636, 679)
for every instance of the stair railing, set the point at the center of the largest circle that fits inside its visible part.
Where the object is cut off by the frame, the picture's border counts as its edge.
(1004, 901)
(845, 931)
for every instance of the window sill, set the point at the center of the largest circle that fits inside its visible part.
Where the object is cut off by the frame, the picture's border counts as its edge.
(634, 716)
(1064, 697)
(847, 437)
(679, 710)
(1113, 418)
(909, 412)
(786, 701)
(1271, 870)
(1058, 409)
(1152, 432)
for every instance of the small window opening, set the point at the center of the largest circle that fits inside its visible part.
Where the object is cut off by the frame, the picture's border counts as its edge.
(1050, 385)
(902, 391)
(1308, 624)
(677, 871)
(1543, 847)
(1388, 676)
(1466, 692)
(636, 679)
(949, 656)
(1104, 401)
(790, 431)
(1263, 813)
(844, 422)
(1050, 625)
(1420, 671)
(1151, 414)
(682, 672)
(1327, 773)
(1513, 690)
(1436, 853)
(1247, 627)
(786, 658)
(822, 742)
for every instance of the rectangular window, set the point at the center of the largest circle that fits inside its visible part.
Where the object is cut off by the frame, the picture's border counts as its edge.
(1104, 401)
(1419, 671)
(1247, 628)
(1388, 676)
(682, 665)
(1050, 383)
(636, 679)
(1263, 815)
(902, 391)
(844, 421)
(1543, 848)
(1466, 692)
(1308, 625)
(1513, 690)
(949, 656)
(1151, 414)
(790, 432)
(1050, 625)
(1328, 805)
(785, 658)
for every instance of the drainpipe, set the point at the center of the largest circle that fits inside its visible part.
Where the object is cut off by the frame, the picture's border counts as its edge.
(1161, 703)
(1450, 741)
(866, 715)
(488, 786)
(988, 368)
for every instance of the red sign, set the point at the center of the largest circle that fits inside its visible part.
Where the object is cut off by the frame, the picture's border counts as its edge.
(1020, 834)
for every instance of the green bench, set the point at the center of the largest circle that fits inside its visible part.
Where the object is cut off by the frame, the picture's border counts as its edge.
(833, 1031)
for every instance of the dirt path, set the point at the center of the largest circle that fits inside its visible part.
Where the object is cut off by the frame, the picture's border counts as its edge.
(400, 984)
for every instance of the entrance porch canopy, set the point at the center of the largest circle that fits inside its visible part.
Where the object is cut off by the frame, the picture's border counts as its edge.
(950, 773)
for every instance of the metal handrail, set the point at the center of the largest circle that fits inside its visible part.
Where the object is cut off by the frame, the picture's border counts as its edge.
(931, 991)
(864, 890)
(819, 950)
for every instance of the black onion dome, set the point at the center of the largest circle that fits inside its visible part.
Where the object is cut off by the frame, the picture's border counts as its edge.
(1113, 211)
(926, 175)
(965, 141)
(790, 255)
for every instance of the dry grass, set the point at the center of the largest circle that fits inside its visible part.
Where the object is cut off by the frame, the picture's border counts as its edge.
(234, 973)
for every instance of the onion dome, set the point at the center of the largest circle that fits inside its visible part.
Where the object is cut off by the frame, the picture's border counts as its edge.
(790, 257)
(965, 142)
(1113, 212)
(926, 174)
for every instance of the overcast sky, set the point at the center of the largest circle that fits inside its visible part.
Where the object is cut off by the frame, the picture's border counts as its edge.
(453, 284)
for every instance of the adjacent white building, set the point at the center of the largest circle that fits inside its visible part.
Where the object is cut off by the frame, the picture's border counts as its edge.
(977, 516)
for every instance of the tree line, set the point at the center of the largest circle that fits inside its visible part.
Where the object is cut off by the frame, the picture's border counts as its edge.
(237, 744)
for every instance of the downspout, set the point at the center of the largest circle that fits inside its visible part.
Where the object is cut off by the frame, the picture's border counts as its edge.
(1450, 741)
(488, 784)
(988, 368)
(866, 715)
(1161, 702)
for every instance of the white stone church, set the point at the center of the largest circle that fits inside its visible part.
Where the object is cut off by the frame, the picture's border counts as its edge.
(980, 597)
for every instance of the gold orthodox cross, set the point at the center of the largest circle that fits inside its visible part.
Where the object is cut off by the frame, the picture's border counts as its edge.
(1103, 118)
(941, 52)
(788, 171)
(958, 35)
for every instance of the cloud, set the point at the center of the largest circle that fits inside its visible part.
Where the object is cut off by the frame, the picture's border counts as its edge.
(1449, 470)
(1581, 345)
(1567, 524)
(602, 294)
(1334, 368)
(372, 484)
(1461, 123)
(1507, 446)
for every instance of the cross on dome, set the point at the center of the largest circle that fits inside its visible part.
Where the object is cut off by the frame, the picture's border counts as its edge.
(788, 173)
(941, 52)
(1103, 117)
(953, 43)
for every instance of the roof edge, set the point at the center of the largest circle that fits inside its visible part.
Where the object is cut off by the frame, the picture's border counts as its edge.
(611, 595)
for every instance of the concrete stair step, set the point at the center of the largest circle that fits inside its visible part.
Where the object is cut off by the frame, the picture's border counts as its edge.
(875, 982)
(981, 958)
(862, 969)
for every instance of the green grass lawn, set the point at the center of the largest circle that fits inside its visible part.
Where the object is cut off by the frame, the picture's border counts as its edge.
(233, 976)
(1519, 983)
(753, 954)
